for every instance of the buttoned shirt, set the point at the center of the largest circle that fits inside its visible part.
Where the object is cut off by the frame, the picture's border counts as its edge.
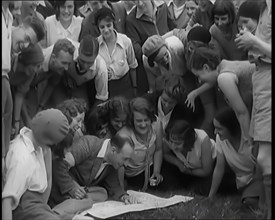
(56, 31)
(122, 57)
(25, 168)
(6, 41)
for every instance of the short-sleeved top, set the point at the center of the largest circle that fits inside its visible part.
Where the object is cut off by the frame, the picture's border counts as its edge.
(137, 163)
(263, 32)
(243, 71)
(56, 31)
(26, 168)
(226, 44)
(6, 42)
(122, 58)
(242, 162)
(193, 159)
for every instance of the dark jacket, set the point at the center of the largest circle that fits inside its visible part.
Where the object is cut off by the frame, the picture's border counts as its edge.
(87, 164)
(139, 29)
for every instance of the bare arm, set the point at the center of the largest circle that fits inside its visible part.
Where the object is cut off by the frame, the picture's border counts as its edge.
(207, 161)
(227, 84)
(217, 175)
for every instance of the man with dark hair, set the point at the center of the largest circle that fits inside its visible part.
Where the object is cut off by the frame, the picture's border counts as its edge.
(90, 162)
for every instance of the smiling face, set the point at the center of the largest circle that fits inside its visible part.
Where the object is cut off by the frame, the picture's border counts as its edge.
(66, 11)
(23, 37)
(61, 62)
(106, 28)
(119, 121)
(142, 123)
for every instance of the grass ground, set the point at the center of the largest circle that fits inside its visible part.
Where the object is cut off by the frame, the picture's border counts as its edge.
(226, 205)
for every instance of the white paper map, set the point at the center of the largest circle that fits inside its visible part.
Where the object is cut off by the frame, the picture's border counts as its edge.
(148, 201)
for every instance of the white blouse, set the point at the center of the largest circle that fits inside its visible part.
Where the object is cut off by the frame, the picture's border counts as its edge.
(56, 31)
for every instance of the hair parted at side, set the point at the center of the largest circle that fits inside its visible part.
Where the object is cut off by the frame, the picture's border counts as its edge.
(142, 106)
(65, 45)
(119, 140)
(60, 3)
(36, 24)
(204, 55)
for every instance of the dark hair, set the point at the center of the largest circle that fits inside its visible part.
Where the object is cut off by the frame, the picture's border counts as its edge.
(174, 87)
(184, 131)
(65, 45)
(36, 24)
(204, 55)
(67, 142)
(250, 9)
(94, 120)
(119, 140)
(142, 106)
(227, 118)
(58, 4)
(222, 7)
(104, 13)
(71, 107)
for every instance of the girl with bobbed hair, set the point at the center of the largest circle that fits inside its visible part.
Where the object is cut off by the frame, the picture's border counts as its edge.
(233, 150)
(190, 150)
(146, 133)
(107, 118)
(224, 31)
(232, 78)
(64, 24)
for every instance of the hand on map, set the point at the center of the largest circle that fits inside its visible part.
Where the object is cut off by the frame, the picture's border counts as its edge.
(157, 178)
(129, 199)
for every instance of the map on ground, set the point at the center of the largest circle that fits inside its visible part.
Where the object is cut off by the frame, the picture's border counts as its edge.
(147, 201)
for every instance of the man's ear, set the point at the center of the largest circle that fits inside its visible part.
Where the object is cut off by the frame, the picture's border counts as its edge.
(206, 67)
(113, 149)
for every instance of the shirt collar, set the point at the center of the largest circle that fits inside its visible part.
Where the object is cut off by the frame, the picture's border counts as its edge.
(119, 40)
(70, 29)
(27, 140)
(103, 149)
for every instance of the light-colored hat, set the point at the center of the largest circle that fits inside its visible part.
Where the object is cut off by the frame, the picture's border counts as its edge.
(152, 45)
(50, 122)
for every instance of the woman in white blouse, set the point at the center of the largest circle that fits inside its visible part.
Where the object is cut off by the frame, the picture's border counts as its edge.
(64, 24)
(118, 53)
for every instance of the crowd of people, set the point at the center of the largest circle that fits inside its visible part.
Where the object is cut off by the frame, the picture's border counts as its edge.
(103, 96)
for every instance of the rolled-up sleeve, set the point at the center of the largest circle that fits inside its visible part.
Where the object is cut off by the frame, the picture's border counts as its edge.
(131, 58)
(101, 81)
